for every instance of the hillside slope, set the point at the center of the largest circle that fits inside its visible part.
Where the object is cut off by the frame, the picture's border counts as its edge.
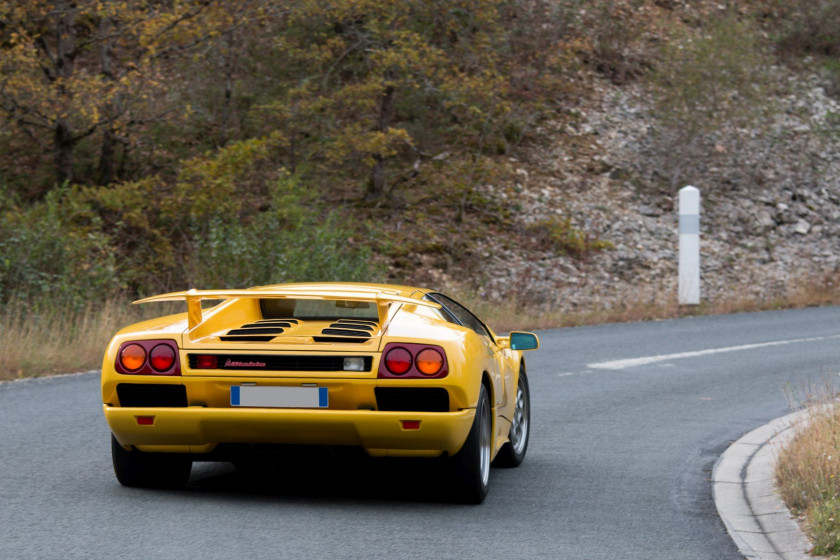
(605, 172)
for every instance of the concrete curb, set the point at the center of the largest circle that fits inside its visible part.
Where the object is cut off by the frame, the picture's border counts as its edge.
(48, 378)
(743, 487)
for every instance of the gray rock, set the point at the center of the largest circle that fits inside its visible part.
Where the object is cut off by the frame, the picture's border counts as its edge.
(765, 221)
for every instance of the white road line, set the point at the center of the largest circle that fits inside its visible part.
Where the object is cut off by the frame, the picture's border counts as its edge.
(631, 362)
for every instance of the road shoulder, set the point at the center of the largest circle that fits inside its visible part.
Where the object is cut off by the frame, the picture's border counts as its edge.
(744, 491)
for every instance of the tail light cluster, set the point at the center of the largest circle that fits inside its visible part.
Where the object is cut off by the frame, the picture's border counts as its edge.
(423, 361)
(148, 357)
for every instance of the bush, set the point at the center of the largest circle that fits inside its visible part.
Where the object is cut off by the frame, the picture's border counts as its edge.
(808, 27)
(560, 235)
(84, 244)
(284, 243)
(715, 77)
(44, 258)
(706, 83)
(616, 29)
(825, 521)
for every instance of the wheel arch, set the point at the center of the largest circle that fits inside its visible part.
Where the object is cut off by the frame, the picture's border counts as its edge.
(488, 384)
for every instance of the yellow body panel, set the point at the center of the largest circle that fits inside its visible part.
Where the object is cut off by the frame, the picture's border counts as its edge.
(352, 417)
(373, 430)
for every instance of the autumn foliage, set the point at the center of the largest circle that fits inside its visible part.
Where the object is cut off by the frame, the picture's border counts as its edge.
(153, 137)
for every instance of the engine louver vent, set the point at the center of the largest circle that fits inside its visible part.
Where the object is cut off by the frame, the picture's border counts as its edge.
(358, 322)
(344, 331)
(264, 330)
(260, 331)
(354, 326)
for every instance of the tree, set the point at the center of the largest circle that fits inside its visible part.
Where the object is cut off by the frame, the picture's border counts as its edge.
(377, 88)
(72, 69)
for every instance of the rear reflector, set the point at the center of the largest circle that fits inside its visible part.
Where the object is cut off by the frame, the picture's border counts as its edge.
(207, 361)
(410, 424)
(145, 420)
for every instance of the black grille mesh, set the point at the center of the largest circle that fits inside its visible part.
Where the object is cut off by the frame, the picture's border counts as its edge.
(152, 395)
(412, 399)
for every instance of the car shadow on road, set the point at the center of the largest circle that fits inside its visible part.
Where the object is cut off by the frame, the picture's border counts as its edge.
(327, 476)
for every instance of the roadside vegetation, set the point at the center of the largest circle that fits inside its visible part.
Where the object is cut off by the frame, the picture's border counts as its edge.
(808, 476)
(42, 340)
(148, 147)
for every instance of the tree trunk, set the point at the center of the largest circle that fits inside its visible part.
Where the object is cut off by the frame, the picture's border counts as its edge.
(65, 56)
(105, 171)
(230, 66)
(63, 151)
(376, 184)
(107, 155)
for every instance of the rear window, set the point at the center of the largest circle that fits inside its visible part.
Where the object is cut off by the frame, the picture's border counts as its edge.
(318, 309)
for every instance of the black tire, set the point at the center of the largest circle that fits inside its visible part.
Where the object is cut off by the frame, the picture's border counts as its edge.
(471, 465)
(149, 470)
(513, 452)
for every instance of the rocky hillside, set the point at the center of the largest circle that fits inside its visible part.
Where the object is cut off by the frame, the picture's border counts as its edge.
(770, 188)
(516, 150)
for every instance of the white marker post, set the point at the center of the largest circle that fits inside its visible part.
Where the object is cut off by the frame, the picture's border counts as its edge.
(689, 289)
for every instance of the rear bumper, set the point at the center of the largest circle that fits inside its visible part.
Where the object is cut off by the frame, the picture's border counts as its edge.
(200, 429)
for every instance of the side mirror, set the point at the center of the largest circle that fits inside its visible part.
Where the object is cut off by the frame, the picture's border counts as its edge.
(524, 341)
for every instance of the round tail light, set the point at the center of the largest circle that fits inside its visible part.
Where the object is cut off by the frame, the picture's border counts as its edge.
(133, 357)
(429, 361)
(398, 361)
(162, 357)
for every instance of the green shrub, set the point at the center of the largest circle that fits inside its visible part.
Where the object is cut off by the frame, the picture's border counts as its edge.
(715, 76)
(825, 523)
(84, 244)
(808, 27)
(286, 242)
(561, 235)
(44, 258)
(705, 81)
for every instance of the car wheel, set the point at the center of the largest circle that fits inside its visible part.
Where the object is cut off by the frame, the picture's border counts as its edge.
(471, 465)
(149, 470)
(513, 452)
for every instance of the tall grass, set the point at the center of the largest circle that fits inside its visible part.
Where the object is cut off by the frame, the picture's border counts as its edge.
(644, 304)
(41, 340)
(49, 337)
(808, 477)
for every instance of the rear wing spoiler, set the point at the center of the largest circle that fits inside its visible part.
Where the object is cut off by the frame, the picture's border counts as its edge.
(382, 298)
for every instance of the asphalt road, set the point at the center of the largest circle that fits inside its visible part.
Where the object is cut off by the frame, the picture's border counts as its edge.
(627, 423)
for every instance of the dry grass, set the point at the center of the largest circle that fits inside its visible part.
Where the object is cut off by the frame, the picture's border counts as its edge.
(61, 340)
(645, 305)
(58, 340)
(808, 476)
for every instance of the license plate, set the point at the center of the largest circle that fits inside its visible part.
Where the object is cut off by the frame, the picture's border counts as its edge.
(279, 397)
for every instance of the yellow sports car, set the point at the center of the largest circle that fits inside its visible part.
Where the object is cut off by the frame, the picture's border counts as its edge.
(397, 371)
